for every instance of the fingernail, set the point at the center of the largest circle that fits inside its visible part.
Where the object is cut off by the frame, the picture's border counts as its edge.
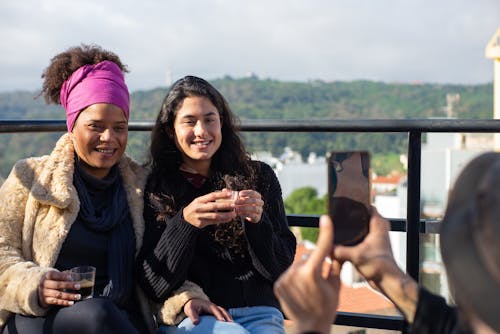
(71, 302)
(78, 297)
(77, 286)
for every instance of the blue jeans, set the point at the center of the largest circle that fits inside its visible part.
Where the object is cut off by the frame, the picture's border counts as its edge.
(246, 320)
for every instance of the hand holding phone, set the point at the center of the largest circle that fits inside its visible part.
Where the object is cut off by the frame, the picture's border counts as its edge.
(349, 200)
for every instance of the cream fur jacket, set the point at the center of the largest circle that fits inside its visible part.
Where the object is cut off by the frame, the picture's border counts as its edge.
(38, 204)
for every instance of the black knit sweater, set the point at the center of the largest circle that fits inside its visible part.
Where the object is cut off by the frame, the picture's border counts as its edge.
(175, 250)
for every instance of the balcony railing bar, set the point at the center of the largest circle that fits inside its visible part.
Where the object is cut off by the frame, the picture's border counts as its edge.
(394, 323)
(365, 125)
(413, 204)
(397, 224)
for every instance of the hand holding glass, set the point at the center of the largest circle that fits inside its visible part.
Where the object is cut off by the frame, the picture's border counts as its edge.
(230, 200)
(85, 276)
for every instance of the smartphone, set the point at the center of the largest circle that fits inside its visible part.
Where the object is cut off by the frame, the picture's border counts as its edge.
(349, 200)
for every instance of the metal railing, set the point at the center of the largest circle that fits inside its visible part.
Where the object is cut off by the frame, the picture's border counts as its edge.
(412, 225)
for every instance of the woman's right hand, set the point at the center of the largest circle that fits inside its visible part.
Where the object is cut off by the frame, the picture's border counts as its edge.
(204, 210)
(52, 287)
(196, 307)
(374, 260)
(372, 257)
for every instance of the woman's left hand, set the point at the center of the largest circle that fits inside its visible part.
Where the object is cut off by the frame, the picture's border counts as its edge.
(249, 205)
(196, 307)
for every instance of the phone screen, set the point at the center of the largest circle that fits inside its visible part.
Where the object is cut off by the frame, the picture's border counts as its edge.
(349, 199)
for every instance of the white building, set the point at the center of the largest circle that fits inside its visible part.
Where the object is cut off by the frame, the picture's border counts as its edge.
(293, 173)
(443, 157)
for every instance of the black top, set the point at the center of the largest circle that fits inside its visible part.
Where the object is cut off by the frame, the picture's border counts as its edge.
(174, 250)
(433, 315)
(83, 245)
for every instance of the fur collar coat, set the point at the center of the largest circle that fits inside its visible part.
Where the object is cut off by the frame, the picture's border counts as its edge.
(38, 205)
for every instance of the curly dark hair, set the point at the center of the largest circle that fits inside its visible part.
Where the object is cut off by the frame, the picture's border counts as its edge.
(65, 63)
(165, 158)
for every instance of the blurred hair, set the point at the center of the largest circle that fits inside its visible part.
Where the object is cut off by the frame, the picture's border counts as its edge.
(470, 239)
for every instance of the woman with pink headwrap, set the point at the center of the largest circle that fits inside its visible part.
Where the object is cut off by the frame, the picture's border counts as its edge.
(80, 205)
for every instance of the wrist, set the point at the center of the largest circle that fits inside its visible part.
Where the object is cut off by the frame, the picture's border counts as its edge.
(402, 290)
(186, 219)
(387, 271)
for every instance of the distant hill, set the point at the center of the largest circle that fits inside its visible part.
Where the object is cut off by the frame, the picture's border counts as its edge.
(252, 98)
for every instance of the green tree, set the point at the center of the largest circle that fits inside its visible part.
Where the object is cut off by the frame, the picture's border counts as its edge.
(305, 201)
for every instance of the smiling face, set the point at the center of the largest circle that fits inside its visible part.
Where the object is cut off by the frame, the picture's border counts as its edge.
(198, 133)
(100, 138)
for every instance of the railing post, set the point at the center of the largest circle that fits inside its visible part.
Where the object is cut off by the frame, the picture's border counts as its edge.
(413, 204)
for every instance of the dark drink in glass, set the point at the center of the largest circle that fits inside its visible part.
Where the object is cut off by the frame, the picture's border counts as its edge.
(85, 275)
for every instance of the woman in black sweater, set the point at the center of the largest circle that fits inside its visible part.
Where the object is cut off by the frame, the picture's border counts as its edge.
(234, 249)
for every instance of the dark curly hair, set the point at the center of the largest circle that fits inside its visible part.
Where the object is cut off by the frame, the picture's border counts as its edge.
(165, 158)
(65, 63)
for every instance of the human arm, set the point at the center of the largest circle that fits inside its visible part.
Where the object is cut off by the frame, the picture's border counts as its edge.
(170, 292)
(196, 307)
(167, 250)
(309, 290)
(189, 301)
(271, 243)
(169, 243)
(20, 277)
(373, 258)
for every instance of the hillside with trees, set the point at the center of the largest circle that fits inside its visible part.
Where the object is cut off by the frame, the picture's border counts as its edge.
(253, 98)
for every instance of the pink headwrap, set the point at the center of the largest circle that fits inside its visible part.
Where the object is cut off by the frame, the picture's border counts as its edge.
(100, 83)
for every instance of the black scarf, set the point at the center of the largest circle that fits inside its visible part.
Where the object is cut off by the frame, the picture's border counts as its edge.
(113, 217)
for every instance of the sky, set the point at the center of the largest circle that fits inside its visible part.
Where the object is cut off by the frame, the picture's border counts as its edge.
(406, 41)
